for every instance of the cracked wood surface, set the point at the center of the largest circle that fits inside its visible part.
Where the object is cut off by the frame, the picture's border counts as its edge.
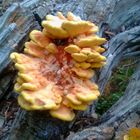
(21, 18)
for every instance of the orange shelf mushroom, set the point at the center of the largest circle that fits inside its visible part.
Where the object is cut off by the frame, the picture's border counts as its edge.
(55, 68)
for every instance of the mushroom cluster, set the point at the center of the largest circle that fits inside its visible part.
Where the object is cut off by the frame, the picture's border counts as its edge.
(55, 69)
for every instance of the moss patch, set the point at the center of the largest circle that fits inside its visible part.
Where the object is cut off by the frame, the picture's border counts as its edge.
(115, 87)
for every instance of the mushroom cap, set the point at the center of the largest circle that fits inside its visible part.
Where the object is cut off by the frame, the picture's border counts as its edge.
(61, 16)
(86, 97)
(50, 96)
(51, 47)
(97, 59)
(72, 49)
(75, 28)
(63, 113)
(55, 29)
(99, 49)
(39, 38)
(23, 103)
(49, 35)
(133, 134)
(34, 50)
(52, 18)
(73, 99)
(72, 17)
(84, 73)
(90, 41)
(97, 65)
(93, 30)
(36, 106)
(85, 65)
(79, 57)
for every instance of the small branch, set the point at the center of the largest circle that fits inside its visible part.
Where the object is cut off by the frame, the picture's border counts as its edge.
(135, 62)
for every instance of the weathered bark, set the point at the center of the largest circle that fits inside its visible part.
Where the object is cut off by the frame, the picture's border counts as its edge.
(37, 126)
(122, 46)
(93, 133)
(21, 18)
(119, 14)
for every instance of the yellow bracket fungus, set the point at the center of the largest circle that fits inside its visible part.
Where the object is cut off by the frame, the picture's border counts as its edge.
(55, 69)
(133, 134)
(90, 41)
(72, 49)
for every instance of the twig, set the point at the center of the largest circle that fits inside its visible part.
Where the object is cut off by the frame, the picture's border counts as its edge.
(132, 63)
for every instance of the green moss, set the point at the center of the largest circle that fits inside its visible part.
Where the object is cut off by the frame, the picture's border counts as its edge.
(115, 88)
(105, 102)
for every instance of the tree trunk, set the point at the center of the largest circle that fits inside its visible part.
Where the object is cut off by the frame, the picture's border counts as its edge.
(37, 126)
(17, 22)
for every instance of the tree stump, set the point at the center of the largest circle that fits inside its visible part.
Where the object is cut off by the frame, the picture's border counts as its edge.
(121, 18)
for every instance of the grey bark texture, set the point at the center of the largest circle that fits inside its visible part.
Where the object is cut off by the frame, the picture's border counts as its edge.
(120, 16)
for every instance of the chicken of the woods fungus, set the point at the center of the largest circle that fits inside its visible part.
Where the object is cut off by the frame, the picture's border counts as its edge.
(55, 69)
